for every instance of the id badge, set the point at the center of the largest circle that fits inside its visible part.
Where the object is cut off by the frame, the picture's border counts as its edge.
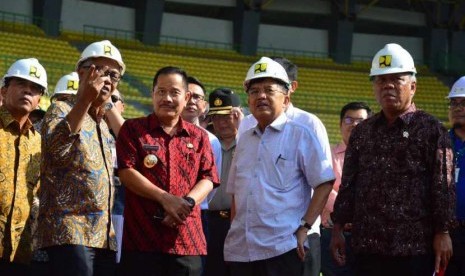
(457, 171)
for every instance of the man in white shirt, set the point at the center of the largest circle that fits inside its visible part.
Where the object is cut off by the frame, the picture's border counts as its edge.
(275, 167)
(313, 256)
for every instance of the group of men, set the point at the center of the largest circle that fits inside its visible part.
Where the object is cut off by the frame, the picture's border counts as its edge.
(249, 196)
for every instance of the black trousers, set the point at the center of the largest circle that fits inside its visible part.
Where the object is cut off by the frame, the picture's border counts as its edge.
(219, 227)
(159, 264)
(287, 264)
(79, 260)
(369, 265)
(8, 268)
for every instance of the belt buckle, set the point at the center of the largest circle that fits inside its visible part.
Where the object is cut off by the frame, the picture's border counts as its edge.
(224, 214)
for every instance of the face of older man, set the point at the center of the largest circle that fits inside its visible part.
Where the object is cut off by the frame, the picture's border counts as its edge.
(267, 100)
(394, 92)
(21, 97)
(457, 112)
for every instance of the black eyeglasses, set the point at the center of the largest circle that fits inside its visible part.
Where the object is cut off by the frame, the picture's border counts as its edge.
(456, 104)
(349, 120)
(115, 99)
(114, 76)
(197, 97)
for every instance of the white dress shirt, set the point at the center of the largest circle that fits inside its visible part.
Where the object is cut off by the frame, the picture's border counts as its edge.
(271, 178)
(307, 119)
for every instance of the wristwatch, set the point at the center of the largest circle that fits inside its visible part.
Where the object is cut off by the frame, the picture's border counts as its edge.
(190, 201)
(305, 224)
(108, 106)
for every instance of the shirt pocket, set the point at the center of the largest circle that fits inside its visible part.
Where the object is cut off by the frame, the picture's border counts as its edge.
(283, 174)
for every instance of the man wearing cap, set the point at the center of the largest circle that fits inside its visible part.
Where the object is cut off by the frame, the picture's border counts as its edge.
(313, 255)
(168, 168)
(23, 85)
(275, 167)
(76, 195)
(225, 115)
(397, 183)
(456, 97)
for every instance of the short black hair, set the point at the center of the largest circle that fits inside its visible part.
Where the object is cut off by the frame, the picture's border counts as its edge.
(355, 106)
(291, 68)
(196, 81)
(168, 70)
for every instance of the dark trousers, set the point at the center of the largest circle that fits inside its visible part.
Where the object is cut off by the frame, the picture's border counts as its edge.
(287, 264)
(7, 268)
(369, 265)
(312, 263)
(81, 260)
(159, 264)
(456, 265)
(328, 265)
(219, 227)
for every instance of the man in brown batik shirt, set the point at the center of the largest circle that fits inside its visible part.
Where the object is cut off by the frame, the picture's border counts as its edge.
(397, 183)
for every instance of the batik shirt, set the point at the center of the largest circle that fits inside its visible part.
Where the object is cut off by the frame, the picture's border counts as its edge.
(19, 178)
(397, 184)
(182, 161)
(76, 174)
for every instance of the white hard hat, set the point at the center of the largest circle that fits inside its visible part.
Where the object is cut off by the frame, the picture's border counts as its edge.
(266, 68)
(68, 84)
(29, 69)
(392, 59)
(458, 89)
(102, 48)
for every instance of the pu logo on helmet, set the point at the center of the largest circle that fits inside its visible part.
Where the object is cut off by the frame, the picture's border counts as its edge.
(217, 102)
(260, 68)
(385, 61)
(107, 50)
(33, 72)
(72, 85)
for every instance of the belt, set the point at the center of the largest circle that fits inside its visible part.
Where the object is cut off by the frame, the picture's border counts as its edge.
(224, 214)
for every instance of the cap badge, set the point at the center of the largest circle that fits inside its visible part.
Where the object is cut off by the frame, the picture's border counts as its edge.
(33, 72)
(217, 102)
(260, 68)
(385, 61)
(107, 50)
(72, 85)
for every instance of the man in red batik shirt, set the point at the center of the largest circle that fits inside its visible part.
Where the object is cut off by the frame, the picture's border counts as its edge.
(168, 168)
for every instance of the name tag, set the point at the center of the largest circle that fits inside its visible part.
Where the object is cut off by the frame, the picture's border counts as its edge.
(150, 147)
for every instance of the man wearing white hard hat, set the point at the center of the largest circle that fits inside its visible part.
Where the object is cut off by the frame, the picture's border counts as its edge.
(23, 85)
(76, 194)
(457, 134)
(275, 167)
(397, 185)
(66, 86)
(313, 255)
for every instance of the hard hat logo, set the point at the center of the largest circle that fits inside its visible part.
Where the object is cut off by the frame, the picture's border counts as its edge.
(33, 72)
(217, 102)
(260, 68)
(385, 61)
(72, 85)
(107, 50)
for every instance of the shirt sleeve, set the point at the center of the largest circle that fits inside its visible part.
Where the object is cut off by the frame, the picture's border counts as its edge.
(443, 188)
(344, 204)
(207, 169)
(126, 150)
(57, 137)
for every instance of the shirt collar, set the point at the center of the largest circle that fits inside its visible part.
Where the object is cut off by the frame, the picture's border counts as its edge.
(405, 116)
(6, 120)
(278, 124)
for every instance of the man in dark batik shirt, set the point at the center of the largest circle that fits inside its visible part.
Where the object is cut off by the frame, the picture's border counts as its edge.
(397, 182)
